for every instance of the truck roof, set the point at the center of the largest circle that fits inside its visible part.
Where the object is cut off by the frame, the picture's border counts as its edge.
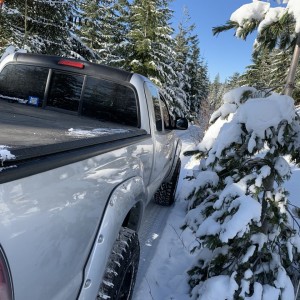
(89, 68)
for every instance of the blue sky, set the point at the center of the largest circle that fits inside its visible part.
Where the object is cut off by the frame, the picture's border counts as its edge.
(224, 54)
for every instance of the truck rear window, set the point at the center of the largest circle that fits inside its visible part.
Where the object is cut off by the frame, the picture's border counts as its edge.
(19, 83)
(98, 98)
(65, 91)
(108, 100)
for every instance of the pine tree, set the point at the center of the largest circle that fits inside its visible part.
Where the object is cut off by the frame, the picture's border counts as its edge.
(38, 25)
(5, 30)
(88, 29)
(191, 83)
(151, 50)
(150, 36)
(269, 71)
(258, 74)
(233, 81)
(181, 82)
(102, 30)
(216, 92)
(121, 46)
(248, 237)
(198, 88)
(144, 36)
(204, 110)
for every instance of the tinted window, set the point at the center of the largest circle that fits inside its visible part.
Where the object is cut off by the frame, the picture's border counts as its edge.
(23, 82)
(102, 99)
(165, 113)
(65, 91)
(109, 101)
(155, 98)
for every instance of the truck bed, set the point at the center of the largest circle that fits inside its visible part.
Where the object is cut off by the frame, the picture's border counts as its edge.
(23, 126)
(33, 135)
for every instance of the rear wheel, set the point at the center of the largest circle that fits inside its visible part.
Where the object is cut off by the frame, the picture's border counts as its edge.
(119, 278)
(165, 195)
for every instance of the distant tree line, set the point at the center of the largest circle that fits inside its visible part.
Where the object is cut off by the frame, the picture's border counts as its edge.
(268, 72)
(136, 36)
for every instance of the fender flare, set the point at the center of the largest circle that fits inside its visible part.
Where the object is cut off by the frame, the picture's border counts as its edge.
(123, 198)
(175, 159)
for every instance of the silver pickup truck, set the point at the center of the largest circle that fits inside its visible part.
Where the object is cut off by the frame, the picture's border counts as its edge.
(83, 149)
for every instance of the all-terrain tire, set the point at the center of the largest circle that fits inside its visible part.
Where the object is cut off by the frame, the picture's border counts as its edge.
(119, 278)
(165, 195)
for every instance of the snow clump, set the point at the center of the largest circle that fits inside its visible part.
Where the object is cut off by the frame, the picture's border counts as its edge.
(249, 12)
(293, 8)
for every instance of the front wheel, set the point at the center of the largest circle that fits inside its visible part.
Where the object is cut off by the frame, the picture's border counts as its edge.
(165, 195)
(119, 278)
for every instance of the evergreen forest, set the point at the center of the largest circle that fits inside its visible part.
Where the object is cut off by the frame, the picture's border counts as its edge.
(137, 36)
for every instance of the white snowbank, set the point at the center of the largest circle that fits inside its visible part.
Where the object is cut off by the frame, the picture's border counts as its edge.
(220, 287)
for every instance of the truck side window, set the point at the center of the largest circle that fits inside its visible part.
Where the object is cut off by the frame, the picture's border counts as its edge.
(158, 120)
(165, 112)
(110, 101)
(65, 91)
(19, 82)
(156, 104)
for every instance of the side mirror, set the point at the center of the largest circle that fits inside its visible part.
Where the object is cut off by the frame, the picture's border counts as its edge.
(181, 124)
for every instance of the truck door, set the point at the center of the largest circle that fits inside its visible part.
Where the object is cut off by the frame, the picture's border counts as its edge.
(163, 136)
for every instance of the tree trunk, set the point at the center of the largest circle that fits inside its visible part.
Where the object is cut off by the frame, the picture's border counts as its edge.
(290, 85)
(25, 25)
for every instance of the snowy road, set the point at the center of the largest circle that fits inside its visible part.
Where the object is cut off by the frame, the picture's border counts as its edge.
(150, 234)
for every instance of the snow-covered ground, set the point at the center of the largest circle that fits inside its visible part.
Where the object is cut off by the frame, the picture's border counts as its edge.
(165, 249)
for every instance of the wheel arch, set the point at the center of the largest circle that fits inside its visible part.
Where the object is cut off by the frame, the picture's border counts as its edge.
(134, 217)
(124, 209)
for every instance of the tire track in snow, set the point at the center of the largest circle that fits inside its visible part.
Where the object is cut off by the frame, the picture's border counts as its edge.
(152, 226)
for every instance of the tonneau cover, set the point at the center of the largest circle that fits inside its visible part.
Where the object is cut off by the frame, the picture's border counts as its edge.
(30, 132)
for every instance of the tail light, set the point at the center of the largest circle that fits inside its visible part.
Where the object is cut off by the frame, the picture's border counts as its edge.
(6, 291)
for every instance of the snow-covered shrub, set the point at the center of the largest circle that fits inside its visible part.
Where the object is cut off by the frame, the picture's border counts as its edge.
(248, 237)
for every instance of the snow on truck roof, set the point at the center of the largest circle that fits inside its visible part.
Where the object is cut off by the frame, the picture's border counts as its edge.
(71, 64)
